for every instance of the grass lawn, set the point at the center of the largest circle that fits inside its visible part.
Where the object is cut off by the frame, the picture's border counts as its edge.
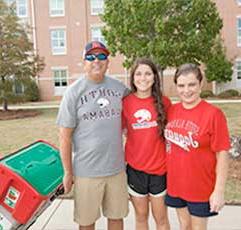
(20, 132)
(233, 114)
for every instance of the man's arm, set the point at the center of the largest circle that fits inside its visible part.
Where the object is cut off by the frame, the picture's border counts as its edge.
(65, 139)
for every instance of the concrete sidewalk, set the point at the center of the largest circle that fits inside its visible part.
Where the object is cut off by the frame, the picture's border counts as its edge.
(59, 216)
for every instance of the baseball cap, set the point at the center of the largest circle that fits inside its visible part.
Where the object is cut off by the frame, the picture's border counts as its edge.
(95, 45)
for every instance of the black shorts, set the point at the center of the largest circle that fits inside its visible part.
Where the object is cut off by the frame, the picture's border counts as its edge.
(142, 184)
(200, 209)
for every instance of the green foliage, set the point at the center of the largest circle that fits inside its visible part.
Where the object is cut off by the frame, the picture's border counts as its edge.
(31, 92)
(171, 32)
(17, 56)
(218, 68)
(229, 93)
(206, 93)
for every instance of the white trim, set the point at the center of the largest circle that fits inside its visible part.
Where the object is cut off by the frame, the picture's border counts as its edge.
(60, 89)
(56, 15)
(97, 25)
(17, 9)
(238, 29)
(236, 69)
(64, 52)
(169, 72)
(51, 78)
(96, 10)
(134, 193)
(34, 27)
(59, 68)
(100, 36)
(57, 27)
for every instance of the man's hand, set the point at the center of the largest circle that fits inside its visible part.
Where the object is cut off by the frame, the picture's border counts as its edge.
(68, 182)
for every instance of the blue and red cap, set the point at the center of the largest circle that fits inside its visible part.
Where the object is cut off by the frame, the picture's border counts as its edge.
(95, 45)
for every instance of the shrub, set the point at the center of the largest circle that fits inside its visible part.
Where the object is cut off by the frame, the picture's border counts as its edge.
(13, 98)
(31, 92)
(229, 93)
(206, 93)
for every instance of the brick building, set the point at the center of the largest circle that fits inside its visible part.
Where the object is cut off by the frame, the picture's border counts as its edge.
(61, 28)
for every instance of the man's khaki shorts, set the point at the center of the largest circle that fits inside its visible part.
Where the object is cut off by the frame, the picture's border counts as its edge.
(91, 194)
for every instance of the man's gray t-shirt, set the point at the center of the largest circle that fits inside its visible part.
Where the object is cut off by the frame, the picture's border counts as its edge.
(94, 111)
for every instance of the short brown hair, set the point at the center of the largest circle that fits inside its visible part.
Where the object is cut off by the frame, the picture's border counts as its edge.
(186, 69)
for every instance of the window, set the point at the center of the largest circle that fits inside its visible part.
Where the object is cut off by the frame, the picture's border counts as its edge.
(60, 80)
(60, 77)
(239, 2)
(58, 41)
(21, 7)
(9, 2)
(238, 69)
(239, 31)
(96, 34)
(56, 8)
(97, 7)
(18, 88)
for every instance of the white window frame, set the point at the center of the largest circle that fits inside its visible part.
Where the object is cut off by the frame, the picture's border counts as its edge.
(97, 7)
(239, 31)
(59, 90)
(9, 2)
(18, 7)
(25, 5)
(18, 84)
(96, 34)
(58, 50)
(238, 69)
(54, 7)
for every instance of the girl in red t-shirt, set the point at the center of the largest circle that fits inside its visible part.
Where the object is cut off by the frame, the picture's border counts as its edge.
(144, 117)
(197, 152)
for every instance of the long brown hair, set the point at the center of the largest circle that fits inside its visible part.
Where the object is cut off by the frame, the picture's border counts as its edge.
(155, 91)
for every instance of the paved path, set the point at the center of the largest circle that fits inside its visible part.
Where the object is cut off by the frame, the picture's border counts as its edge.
(60, 214)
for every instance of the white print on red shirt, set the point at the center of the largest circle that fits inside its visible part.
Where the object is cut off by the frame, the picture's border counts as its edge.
(143, 117)
(181, 140)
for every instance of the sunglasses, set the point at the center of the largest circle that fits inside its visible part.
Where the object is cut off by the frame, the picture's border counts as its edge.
(92, 57)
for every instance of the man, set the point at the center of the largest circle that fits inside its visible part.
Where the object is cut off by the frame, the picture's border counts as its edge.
(91, 143)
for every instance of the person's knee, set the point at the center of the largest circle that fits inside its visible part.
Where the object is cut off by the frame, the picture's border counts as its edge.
(142, 215)
(161, 220)
(115, 224)
(185, 225)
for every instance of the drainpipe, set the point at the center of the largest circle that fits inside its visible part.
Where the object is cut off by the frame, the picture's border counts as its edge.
(34, 33)
(33, 27)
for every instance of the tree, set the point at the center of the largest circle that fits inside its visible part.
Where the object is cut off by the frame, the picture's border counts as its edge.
(17, 58)
(218, 68)
(171, 32)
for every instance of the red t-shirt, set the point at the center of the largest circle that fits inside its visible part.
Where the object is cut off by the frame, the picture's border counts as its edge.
(144, 149)
(194, 136)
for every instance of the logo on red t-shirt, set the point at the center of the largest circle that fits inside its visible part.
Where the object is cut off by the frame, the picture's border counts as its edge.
(143, 120)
